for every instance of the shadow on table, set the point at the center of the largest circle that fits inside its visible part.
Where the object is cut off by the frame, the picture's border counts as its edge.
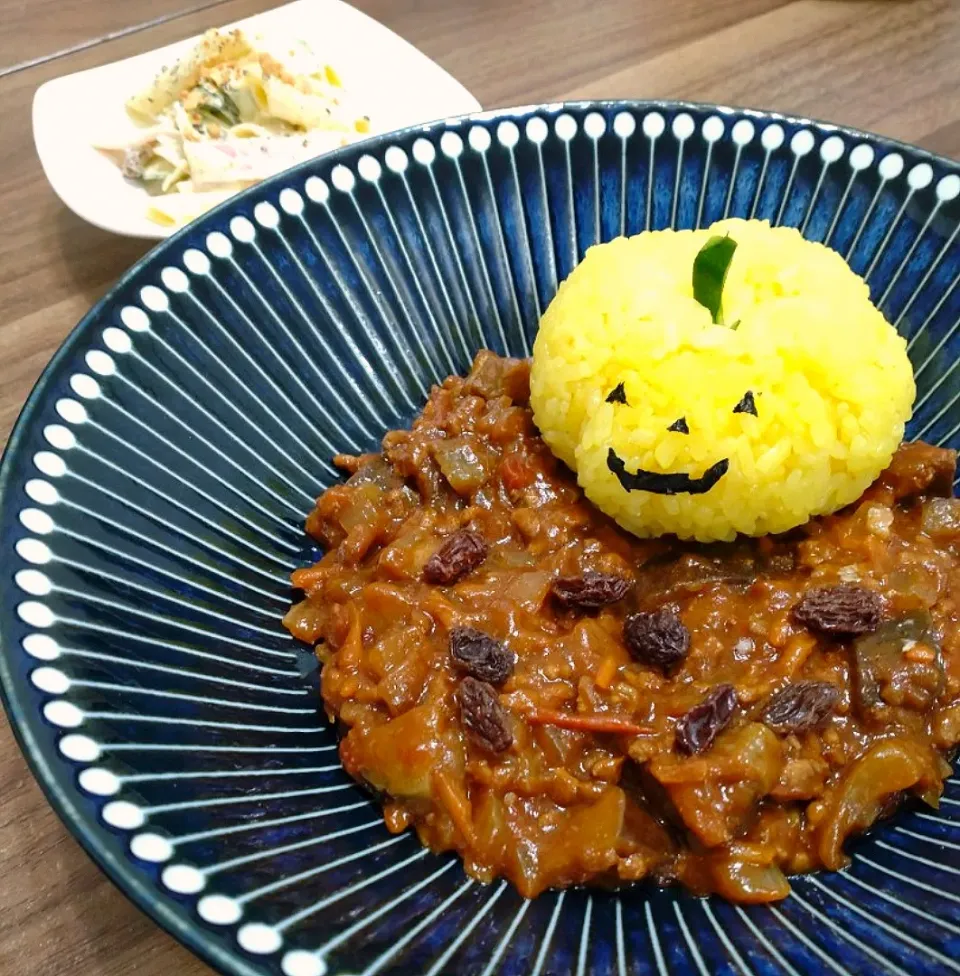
(94, 259)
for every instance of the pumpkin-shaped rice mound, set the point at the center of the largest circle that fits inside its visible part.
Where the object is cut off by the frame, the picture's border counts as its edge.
(786, 408)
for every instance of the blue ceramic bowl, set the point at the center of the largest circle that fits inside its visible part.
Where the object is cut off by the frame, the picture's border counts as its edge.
(154, 492)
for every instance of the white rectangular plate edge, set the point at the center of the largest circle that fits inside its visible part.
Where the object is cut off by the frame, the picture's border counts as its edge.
(402, 86)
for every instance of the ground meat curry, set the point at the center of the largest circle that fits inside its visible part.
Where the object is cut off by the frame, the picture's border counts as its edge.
(561, 703)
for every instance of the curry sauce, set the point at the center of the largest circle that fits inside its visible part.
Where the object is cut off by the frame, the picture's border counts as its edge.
(527, 684)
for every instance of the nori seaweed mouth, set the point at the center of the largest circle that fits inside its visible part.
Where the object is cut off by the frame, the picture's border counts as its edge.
(665, 484)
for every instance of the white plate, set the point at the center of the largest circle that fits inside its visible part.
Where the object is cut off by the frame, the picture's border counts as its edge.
(396, 85)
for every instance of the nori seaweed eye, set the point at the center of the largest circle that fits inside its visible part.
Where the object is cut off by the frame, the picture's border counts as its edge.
(680, 426)
(618, 395)
(746, 404)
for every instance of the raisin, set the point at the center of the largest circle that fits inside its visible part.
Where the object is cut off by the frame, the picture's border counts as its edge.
(844, 609)
(480, 655)
(485, 719)
(657, 638)
(591, 591)
(801, 706)
(697, 729)
(460, 554)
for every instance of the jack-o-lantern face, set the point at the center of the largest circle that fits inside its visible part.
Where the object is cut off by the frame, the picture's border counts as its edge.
(675, 423)
(671, 483)
(682, 441)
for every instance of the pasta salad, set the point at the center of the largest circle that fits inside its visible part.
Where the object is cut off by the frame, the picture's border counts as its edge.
(232, 112)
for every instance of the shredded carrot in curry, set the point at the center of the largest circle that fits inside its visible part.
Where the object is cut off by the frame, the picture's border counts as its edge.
(456, 804)
(606, 673)
(700, 770)
(308, 576)
(798, 649)
(585, 722)
(920, 654)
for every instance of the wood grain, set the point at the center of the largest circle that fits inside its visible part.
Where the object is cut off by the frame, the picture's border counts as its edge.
(36, 29)
(513, 53)
(887, 66)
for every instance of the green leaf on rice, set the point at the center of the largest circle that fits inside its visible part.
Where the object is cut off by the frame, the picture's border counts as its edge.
(710, 268)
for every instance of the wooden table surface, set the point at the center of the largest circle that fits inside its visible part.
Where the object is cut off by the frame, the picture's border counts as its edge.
(892, 67)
